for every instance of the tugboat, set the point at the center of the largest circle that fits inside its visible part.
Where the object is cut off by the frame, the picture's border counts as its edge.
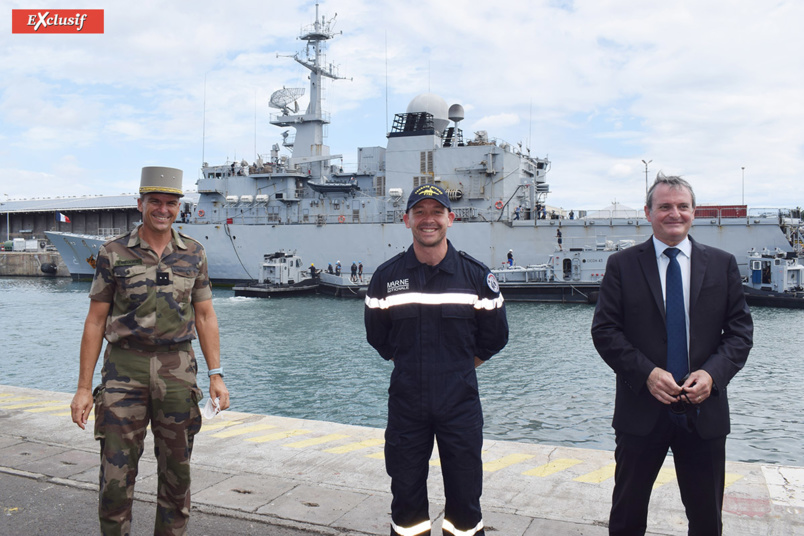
(569, 276)
(281, 274)
(775, 279)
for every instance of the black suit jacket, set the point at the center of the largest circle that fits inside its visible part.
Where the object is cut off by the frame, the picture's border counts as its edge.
(629, 332)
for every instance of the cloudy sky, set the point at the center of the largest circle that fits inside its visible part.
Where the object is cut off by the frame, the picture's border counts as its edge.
(703, 88)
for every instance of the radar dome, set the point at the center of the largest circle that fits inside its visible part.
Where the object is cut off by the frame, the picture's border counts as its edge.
(434, 105)
(456, 113)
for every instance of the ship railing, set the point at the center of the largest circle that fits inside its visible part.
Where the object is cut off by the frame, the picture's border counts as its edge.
(109, 232)
(295, 118)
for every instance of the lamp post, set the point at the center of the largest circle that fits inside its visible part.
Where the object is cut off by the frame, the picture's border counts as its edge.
(646, 177)
(7, 219)
(743, 201)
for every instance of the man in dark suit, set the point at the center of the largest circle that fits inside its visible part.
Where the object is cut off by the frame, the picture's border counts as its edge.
(674, 327)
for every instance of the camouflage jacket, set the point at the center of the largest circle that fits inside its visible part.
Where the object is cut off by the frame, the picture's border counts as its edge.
(143, 311)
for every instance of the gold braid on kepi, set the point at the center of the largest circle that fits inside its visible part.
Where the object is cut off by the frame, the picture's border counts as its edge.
(161, 180)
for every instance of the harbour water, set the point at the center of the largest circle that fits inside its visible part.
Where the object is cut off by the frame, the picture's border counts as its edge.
(307, 357)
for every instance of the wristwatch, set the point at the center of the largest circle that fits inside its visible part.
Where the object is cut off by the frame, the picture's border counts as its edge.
(214, 371)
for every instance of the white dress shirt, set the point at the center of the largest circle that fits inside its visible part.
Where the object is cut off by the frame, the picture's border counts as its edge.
(685, 246)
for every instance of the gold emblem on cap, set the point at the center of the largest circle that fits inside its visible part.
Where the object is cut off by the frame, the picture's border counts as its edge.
(428, 190)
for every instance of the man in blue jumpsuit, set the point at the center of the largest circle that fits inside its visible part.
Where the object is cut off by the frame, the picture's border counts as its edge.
(437, 314)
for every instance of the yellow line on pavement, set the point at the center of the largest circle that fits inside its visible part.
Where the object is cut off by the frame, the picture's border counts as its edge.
(731, 478)
(69, 413)
(16, 399)
(90, 418)
(552, 467)
(505, 461)
(317, 441)
(277, 436)
(596, 477)
(666, 474)
(29, 404)
(232, 432)
(377, 455)
(210, 426)
(350, 447)
(5, 395)
(51, 407)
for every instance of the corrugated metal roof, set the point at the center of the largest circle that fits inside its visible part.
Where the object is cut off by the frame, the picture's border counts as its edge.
(67, 204)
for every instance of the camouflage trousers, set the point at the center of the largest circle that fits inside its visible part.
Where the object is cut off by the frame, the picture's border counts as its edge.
(141, 387)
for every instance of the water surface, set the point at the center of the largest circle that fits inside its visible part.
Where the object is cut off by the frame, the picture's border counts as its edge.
(307, 357)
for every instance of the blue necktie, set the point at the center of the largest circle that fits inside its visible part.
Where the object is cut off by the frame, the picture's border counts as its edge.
(677, 362)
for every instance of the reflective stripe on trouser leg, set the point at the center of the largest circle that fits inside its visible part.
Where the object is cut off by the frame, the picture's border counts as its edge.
(415, 530)
(449, 527)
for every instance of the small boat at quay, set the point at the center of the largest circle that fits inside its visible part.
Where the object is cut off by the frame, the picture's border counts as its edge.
(342, 286)
(568, 276)
(281, 274)
(776, 279)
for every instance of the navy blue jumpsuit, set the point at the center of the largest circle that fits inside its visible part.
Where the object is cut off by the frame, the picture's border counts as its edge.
(432, 321)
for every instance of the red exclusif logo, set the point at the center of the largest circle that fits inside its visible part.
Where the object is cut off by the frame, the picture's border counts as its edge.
(57, 21)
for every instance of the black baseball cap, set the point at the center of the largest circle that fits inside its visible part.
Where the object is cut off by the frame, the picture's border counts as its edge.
(428, 191)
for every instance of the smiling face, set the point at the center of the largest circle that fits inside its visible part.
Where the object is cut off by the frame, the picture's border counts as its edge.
(428, 220)
(671, 213)
(159, 211)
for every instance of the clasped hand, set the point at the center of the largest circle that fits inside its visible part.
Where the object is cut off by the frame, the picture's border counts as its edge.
(696, 387)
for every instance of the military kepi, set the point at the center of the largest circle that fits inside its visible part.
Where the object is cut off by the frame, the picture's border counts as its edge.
(428, 191)
(161, 180)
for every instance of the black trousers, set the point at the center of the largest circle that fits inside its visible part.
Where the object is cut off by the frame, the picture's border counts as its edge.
(408, 447)
(700, 470)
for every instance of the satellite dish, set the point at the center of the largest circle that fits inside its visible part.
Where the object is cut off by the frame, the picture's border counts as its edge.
(282, 98)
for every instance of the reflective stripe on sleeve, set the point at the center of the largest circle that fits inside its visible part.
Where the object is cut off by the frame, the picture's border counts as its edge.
(446, 525)
(452, 298)
(415, 530)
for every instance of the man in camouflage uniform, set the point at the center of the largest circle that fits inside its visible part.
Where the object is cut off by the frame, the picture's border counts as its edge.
(150, 295)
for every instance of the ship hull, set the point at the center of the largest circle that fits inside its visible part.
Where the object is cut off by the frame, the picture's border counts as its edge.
(768, 298)
(551, 292)
(235, 251)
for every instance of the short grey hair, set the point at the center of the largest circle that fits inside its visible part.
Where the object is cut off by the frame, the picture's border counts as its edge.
(673, 181)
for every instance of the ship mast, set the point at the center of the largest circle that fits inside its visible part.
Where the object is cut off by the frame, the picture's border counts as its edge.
(308, 149)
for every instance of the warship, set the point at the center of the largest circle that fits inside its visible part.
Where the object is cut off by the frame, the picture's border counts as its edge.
(301, 198)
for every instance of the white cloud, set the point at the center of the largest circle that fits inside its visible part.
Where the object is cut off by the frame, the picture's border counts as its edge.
(702, 89)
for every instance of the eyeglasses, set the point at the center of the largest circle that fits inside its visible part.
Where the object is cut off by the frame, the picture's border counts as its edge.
(681, 406)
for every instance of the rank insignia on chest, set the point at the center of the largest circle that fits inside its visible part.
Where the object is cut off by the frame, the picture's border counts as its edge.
(162, 278)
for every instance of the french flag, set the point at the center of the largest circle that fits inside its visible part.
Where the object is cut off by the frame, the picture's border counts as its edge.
(63, 218)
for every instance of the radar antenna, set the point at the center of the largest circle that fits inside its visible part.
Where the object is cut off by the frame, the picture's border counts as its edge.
(281, 99)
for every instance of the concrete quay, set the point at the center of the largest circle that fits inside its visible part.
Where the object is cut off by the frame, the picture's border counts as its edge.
(325, 478)
(29, 263)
